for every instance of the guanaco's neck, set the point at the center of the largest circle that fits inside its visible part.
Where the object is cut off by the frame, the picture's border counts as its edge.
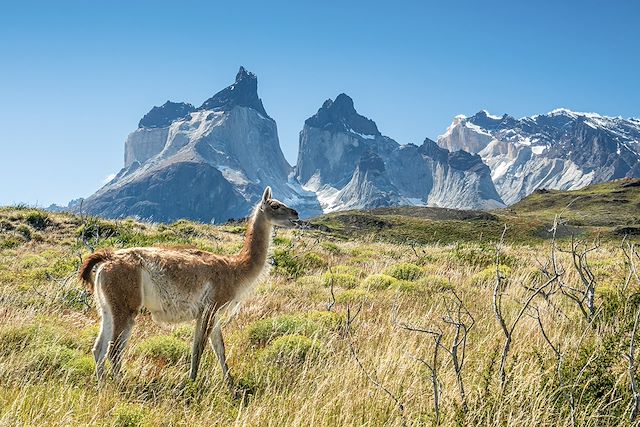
(253, 256)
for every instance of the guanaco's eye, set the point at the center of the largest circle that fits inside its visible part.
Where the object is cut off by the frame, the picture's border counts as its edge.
(275, 207)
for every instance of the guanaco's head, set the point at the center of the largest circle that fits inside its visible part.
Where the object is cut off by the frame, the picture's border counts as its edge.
(276, 212)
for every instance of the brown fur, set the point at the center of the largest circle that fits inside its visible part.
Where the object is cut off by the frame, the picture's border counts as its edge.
(85, 275)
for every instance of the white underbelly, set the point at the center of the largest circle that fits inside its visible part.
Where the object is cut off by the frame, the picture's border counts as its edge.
(167, 303)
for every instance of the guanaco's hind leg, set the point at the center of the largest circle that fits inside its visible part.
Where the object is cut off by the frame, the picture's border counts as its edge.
(217, 343)
(119, 299)
(122, 327)
(102, 342)
(204, 324)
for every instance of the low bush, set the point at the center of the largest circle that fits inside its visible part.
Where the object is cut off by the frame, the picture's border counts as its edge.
(38, 219)
(342, 280)
(128, 415)
(164, 349)
(405, 271)
(378, 282)
(290, 349)
(488, 275)
(310, 324)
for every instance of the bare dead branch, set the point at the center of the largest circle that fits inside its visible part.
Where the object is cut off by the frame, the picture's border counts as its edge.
(508, 330)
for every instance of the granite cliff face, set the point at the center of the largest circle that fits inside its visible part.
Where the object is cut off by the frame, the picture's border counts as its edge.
(561, 150)
(209, 163)
(349, 164)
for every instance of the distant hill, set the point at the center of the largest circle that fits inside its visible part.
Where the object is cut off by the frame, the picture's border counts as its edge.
(610, 210)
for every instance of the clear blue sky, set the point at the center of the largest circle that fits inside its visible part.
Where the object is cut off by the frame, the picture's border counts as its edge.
(76, 76)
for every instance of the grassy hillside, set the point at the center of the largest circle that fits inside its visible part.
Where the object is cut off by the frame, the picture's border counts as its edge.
(608, 210)
(297, 357)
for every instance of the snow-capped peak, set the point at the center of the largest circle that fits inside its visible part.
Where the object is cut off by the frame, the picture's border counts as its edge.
(572, 114)
(489, 115)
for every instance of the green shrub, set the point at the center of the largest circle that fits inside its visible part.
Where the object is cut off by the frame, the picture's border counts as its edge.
(331, 247)
(309, 324)
(15, 338)
(410, 286)
(326, 320)
(341, 280)
(184, 227)
(97, 227)
(351, 295)
(379, 282)
(265, 330)
(24, 231)
(10, 242)
(6, 225)
(286, 264)
(18, 338)
(51, 358)
(313, 260)
(405, 271)
(63, 266)
(281, 241)
(290, 349)
(349, 269)
(166, 349)
(38, 219)
(80, 368)
(488, 275)
(128, 415)
(479, 255)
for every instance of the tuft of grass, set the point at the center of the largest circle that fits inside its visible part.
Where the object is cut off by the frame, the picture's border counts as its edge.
(128, 415)
(349, 269)
(351, 295)
(331, 248)
(10, 242)
(310, 324)
(342, 280)
(312, 260)
(24, 231)
(488, 275)
(37, 219)
(287, 264)
(163, 349)
(378, 282)
(290, 349)
(51, 358)
(405, 271)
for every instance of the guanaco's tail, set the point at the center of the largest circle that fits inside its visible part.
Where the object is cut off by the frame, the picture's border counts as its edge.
(85, 274)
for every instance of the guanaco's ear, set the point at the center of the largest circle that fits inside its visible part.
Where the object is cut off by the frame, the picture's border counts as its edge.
(267, 194)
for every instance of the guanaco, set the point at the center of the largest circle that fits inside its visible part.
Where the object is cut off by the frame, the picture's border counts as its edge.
(178, 285)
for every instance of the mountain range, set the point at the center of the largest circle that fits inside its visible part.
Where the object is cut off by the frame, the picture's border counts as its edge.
(212, 162)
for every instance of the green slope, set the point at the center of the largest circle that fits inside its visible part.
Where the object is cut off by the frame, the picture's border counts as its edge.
(610, 210)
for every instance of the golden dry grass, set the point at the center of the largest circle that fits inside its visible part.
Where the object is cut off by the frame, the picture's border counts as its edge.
(47, 330)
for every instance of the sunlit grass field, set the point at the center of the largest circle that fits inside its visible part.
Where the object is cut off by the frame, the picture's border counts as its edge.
(336, 335)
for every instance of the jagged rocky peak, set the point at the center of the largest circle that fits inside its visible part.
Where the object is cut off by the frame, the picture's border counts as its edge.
(166, 114)
(349, 164)
(561, 149)
(340, 115)
(244, 93)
